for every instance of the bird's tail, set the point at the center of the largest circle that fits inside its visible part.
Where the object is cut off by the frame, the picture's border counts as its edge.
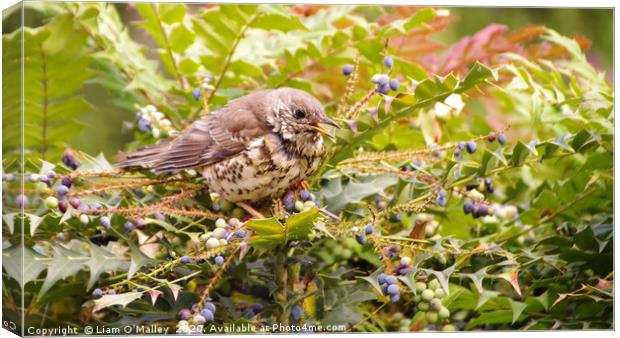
(146, 157)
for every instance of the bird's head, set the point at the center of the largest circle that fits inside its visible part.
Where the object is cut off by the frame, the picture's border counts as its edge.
(297, 115)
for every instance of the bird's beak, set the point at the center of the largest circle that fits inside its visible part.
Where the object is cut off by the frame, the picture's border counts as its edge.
(321, 130)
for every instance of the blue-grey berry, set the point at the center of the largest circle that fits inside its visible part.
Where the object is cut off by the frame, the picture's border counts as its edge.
(128, 226)
(393, 290)
(369, 229)
(347, 70)
(394, 84)
(185, 259)
(388, 62)
(501, 139)
(62, 189)
(471, 147)
(305, 195)
(219, 260)
(196, 93)
(97, 292)
(210, 306)
(391, 280)
(105, 221)
(296, 313)
(207, 314)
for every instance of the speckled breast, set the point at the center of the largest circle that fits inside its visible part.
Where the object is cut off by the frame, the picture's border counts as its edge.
(264, 170)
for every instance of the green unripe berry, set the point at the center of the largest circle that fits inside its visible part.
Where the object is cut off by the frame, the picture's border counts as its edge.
(449, 328)
(220, 223)
(226, 206)
(346, 253)
(444, 312)
(417, 298)
(51, 202)
(432, 317)
(427, 295)
(237, 212)
(212, 243)
(299, 205)
(440, 293)
(419, 287)
(84, 219)
(41, 187)
(423, 306)
(434, 285)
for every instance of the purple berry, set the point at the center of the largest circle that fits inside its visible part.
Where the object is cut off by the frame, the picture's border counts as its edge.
(62, 189)
(460, 146)
(128, 226)
(305, 195)
(219, 260)
(66, 181)
(388, 62)
(441, 201)
(207, 314)
(68, 158)
(347, 70)
(51, 174)
(256, 307)
(210, 306)
(394, 84)
(471, 147)
(184, 314)
(457, 152)
(483, 210)
(383, 80)
(391, 280)
(361, 239)
(75, 203)
(393, 290)
(196, 93)
(369, 229)
(62, 206)
(491, 137)
(501, 139)
(382, 278)
(395, 298)
(383, 88)
(105, 221)
(97, 292)
(158, 216)
(289, 202)
(185, 260)
(240, 233)
(468, 207)
(296, 313)
(384, 287)
(144, 125)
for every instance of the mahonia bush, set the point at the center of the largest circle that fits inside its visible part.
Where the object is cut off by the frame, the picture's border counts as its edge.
(470, 186)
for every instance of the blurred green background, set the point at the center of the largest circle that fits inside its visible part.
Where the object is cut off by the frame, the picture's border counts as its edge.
(104, 132)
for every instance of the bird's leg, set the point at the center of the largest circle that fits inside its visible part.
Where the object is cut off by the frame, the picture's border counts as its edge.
(250, 210)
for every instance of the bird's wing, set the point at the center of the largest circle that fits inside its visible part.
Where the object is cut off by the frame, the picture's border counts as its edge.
(208, 140)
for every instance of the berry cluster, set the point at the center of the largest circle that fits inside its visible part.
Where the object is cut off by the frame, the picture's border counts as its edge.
(306, 201)
(404, 267)
(389, 287)
(222, 233)
(428, 298)
(382, 81)
(155, 122)
(360, 236)
(202, 316)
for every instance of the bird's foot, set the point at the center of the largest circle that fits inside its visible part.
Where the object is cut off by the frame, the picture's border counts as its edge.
(255, 213)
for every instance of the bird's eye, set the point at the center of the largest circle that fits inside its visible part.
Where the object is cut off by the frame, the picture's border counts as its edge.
(300, 114)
